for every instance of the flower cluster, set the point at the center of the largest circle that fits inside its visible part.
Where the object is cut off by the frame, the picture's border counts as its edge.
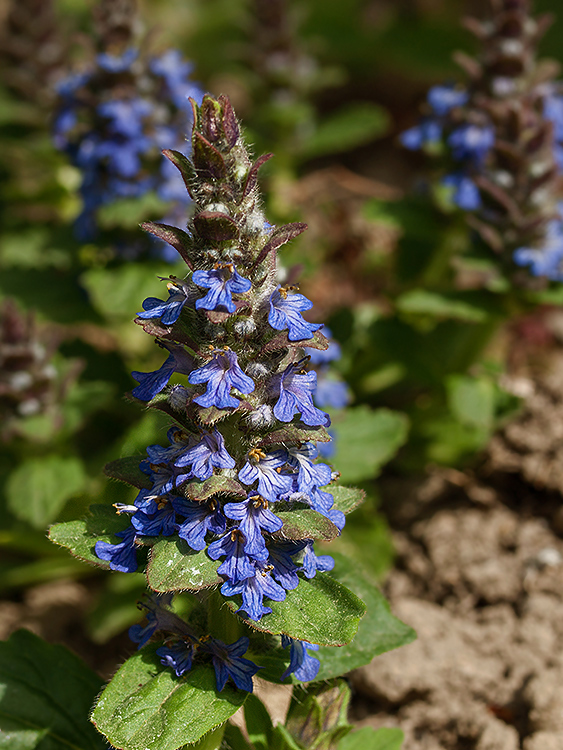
(113, 120)
(503, 135)
(238, 482)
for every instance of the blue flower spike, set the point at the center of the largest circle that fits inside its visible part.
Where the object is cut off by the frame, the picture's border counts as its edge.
(503, 167)
(231, 500)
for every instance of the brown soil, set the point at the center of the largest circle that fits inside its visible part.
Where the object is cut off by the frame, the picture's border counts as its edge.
(479, 577)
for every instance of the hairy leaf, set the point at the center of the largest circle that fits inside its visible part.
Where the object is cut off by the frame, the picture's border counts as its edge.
(346, 499)
(305, 523)
(127, 470)
(177, 238)
(200, 491)
(320, 610)
(147, 706)
(207, 158)
(174, 566)
(81, 536)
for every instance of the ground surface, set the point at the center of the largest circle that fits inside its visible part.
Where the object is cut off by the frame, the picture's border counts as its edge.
(479, 576)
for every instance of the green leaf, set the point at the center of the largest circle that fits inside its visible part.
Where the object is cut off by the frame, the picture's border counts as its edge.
(346, 499)
(306, 523)
(45, 697)
(234, 738)
(119, 293)
(320, 610)
(174, 566)
(200, 491)
(146, 706)
(379, 630)
(472, 400)
(127, 470)
(39, 488)
(366, 440)
(371, 739)
(282, 740)
(81, 536)
(258, 723)
(356, 124)
(129, 212)
(295, 434)
(455, 305)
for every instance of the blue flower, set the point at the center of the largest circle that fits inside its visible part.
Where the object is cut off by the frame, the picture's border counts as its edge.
(331, 393)
(284, 569)
(285, 312)
(267, 468)
(553, 111)
(168, 311)
(165, 479)
(327, 450)
(178, 656)
(209, 452)
(465, 192)
(304, 666)
(121, 556)
(115, 63)
(221, 374)
(471, 142)
(443, 98)
(125, 117)
(309, 475)
(142, 634)
(152, 383)
(237, 565)
(546, 260)
(223, 281)
(161, 521)
(199, 518)
(296, 388)
(171, 66)
(156, 615)
(426, 133)
(253, 590)
(179, 441)
(254, 515)
(229, 662)
(312, 562)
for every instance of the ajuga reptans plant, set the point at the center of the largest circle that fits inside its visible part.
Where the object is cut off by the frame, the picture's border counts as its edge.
(503, 135)
(229, 508)
(115, 116)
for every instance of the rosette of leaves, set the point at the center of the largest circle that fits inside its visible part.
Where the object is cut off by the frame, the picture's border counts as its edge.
(229, 510)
